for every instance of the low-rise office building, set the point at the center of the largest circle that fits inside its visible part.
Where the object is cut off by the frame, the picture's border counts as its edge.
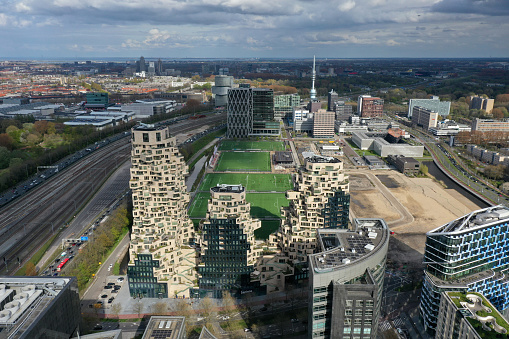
(449, 127)
(148, 107)
(375, 141)
(406, 165)
(39, 307)
(490, 125)
(346, 279)
(165, 327)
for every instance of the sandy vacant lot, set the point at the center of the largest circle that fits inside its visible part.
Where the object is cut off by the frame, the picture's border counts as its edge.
(428, 202)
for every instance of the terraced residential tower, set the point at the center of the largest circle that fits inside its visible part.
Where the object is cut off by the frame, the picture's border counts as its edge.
(162, 255)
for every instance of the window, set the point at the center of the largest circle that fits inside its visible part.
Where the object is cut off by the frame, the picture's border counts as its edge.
(158, 136)
(145, 137)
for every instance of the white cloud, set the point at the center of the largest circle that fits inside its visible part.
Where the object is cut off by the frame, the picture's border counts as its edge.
(346, 6)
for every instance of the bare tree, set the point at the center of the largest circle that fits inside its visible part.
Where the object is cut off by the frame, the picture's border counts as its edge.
(207, 306)
(116, 309)
(138, 308)
(159, 308)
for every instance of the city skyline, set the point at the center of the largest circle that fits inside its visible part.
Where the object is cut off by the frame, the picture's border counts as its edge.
(240, 29)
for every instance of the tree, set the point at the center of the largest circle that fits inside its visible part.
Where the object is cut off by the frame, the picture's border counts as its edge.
(207, 306)
(497, 113)
(159, 308)
(228, 302)
(183, 308)
(138, 308)
(6, 141)
(494, 172)
(424, 169)
(5, 157)
(116, 309)
(15, 162)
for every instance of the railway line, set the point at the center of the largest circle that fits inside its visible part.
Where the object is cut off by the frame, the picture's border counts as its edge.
(29, 221)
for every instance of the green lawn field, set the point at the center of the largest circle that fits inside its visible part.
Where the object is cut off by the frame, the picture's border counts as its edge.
(198, 208)
(266, 204)
(259, 182)
(268, 227)
(262, 204)
(229, 145)
(243, 161)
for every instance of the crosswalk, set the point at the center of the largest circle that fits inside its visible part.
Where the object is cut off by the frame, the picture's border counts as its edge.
(385, 325)
(398, 323)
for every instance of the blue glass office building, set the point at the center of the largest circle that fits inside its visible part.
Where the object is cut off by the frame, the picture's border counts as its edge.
(470, 253)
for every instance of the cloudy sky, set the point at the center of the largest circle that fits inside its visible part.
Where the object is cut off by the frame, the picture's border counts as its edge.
(254, 28)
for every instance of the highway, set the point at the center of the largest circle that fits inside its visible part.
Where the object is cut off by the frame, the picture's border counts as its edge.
(32, 219)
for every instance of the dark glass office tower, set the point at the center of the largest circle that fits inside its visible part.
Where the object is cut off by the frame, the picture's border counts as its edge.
(336, 211)
(227, 242)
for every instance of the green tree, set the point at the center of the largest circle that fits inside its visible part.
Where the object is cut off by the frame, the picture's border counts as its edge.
(15, 162)
(5, 157)
(424, 169)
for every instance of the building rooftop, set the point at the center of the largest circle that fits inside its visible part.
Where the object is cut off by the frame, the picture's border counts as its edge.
(281, 156)
(483, 317)
(149, 127)
(474, 220)
(314, 158)
(24, 299)
(341, 247)
(228, 188)
(165, 327)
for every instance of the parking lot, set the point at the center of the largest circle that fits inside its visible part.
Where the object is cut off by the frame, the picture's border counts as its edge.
(110, 291)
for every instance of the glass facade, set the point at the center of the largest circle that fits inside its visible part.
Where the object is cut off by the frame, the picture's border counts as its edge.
(476, 259)
(225, 259)
(142, 283)
(337, 210)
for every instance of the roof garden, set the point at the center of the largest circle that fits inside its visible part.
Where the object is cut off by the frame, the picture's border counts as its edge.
(483, 316)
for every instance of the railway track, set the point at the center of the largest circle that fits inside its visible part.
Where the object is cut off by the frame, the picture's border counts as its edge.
(29, 221)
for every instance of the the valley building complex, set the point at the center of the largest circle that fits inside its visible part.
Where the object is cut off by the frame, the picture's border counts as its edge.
(162, 255)
(320, 199)
(469, 254)
(227, 243)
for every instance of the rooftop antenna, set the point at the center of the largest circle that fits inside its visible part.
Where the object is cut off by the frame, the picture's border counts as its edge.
(313, 76)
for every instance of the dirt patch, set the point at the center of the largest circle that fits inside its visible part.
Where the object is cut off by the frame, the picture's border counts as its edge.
(431, 206)
(388, 181)
(360, 183)
(372, 204)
